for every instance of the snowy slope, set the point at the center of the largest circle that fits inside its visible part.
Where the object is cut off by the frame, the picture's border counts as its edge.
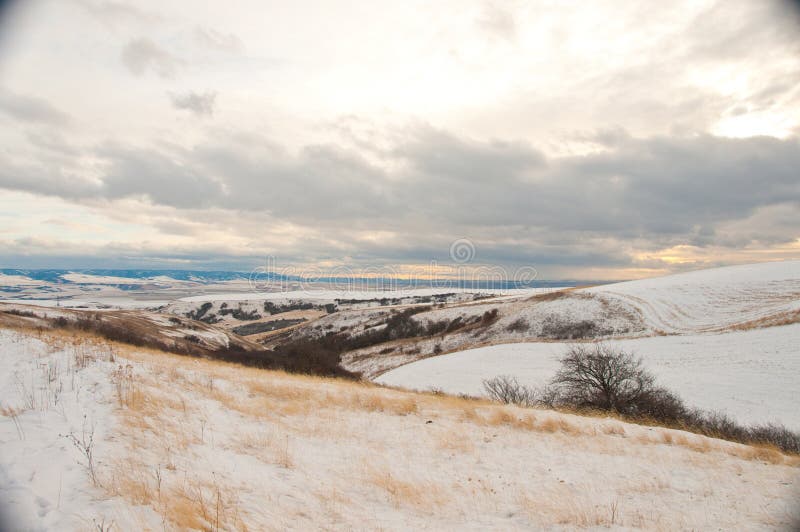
(46, 393)
(752, 375)
(184, 444)
(713, 299)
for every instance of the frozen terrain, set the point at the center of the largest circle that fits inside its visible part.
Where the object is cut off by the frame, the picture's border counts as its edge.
(189, 444)
(724, 339)
(714, 299)
(751, 375)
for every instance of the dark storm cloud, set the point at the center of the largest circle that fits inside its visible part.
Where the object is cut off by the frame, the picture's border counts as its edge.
(200, 104)
(164, 180)
(142, 55)
(31, 109)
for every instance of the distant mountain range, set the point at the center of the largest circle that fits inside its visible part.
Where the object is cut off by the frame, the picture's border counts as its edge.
(210, 277)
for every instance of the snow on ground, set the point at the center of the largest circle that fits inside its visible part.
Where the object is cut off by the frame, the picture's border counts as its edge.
(46, 394)
(752, 375)
(332, 295)
(19, 280)
(96, 303)
(712, 299)
(184, 443)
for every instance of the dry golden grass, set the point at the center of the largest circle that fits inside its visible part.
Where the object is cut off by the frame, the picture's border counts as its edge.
(165, 401)
(455, 441)
(422, 496)
(557, 424)
(273, 395)
(570, 508)
(615, 429)
(268, 446)
(774, 320)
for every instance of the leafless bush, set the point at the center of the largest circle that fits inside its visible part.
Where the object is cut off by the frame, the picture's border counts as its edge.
(85, 444)
(775, 434)
(596, 376)
(508, 390)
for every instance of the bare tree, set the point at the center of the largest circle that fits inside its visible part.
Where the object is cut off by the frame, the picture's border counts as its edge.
(597, 376)
(507, 389)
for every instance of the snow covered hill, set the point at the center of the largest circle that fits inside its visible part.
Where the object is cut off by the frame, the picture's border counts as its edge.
(714, 299)
(96, 435)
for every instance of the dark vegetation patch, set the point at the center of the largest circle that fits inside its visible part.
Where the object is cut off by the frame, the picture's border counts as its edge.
(272, 308)
(295, 357)
(393, 301)
(198, 313)
(240, 314)
(20, 313)
(519, 325)
(562, 328)
(265, 326)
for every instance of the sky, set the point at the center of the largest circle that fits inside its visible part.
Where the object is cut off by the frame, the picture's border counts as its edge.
(587, 140)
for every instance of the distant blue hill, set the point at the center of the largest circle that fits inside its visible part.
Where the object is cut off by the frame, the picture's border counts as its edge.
(202, 276)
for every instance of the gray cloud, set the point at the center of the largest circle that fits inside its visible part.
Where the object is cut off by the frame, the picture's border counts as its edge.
(520, 207)
(200, 104)
(31, 109)
(142, 54)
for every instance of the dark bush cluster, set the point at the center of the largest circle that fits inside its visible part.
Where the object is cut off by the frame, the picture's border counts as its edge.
(490, 316)
(240, 314)
(596, 377)
(560, 328)
(519, 325)
(20, 313)
(265, 326)
(199, 312)
(272, 308)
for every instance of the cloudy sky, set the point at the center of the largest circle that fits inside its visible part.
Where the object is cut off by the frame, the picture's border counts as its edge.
(586, 139)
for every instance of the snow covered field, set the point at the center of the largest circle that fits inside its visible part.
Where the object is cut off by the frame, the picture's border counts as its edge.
(180, 443)
(712, 299)
(752, 375)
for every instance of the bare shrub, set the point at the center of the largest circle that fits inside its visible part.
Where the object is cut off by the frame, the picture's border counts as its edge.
(775, 434)
(561, 328)
(506, 389)
(85, 444)
(596, 376)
